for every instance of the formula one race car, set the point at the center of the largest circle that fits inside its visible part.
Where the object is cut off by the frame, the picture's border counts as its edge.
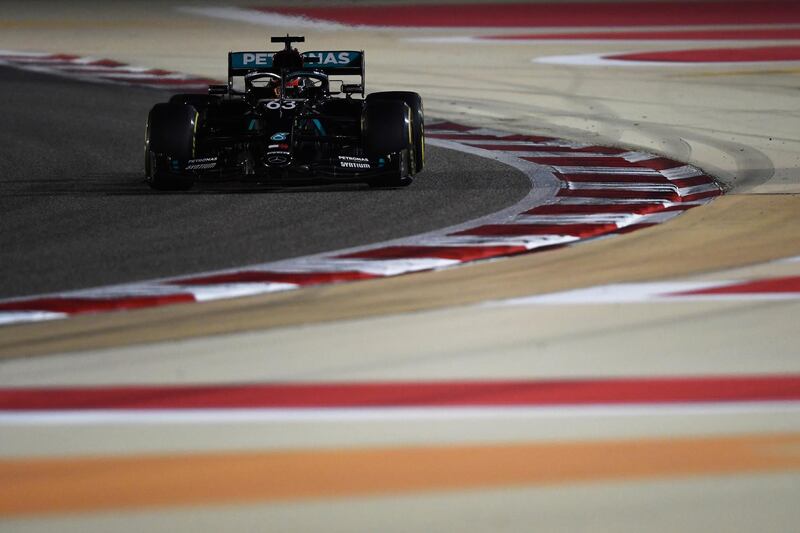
(283, 117)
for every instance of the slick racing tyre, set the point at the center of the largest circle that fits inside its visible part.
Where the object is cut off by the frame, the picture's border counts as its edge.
(169, 143)
(414, 102)
(387, 133)
(386, 127)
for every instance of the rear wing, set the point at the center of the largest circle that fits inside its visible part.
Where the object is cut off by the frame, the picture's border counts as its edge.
(336, 62)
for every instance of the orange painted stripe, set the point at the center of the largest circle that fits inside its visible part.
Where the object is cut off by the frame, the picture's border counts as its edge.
(36, 486)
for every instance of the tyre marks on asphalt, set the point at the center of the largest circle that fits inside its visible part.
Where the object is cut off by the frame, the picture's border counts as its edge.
(580, 191)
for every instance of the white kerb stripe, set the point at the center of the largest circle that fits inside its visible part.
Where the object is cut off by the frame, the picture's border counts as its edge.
(381, 267)
(206, 293)
(530, 242)
(605, 170)
(683, 172)
(10, 317)
(706, 187)
(593, 185)
(215, 416)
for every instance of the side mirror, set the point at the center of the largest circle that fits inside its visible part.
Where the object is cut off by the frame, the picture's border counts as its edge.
(218, 89)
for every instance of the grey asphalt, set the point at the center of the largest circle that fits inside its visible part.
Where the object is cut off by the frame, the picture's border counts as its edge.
(75, 213)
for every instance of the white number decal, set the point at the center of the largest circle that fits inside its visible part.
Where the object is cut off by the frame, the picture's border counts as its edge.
(276, 104)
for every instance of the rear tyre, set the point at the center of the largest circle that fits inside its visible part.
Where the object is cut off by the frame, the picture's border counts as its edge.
(169, 137)
(414, 102)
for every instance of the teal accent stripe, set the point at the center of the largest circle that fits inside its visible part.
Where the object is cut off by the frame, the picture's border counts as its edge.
(318, 124)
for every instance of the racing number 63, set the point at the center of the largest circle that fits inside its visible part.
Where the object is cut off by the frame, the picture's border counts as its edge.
(276, 104)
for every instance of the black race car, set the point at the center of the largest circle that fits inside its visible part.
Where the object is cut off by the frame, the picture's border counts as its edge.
(286, 117)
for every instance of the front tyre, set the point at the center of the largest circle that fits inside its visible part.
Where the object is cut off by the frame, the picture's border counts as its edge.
(169, 143)
(386, 128)
(414, 103)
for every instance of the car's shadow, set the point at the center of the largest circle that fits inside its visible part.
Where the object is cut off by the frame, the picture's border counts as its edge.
(132, 184)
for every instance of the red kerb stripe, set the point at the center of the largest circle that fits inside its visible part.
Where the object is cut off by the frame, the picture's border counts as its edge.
(612, 178)
(717, 55)
(691, 182)
(460, 253)
(62, 57)
(94, 305)
(539, 148)
(680, 207)
(593, 209)
(621, 194)
(484, 137)
(556, 14)
(107, 63)
(255, 276)
(410, 394)
(658, 163)
(700, 35)
(576, 230)
(790, 284)
(615, 162)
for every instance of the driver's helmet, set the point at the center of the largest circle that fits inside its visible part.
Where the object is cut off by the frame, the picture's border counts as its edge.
(307, 87)
(294, 88)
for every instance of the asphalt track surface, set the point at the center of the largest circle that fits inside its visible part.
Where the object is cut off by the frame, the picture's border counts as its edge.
(76, 213)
